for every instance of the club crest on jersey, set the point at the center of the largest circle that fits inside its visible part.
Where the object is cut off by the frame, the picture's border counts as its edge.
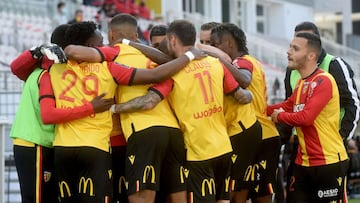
(47, 176)
(312, 87)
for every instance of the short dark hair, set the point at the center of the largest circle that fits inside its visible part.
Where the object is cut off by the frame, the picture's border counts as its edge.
(80, 33)
(307, 26)
(158, 30)
(60, 4)
(58, 35)
(209, 26)
(184, 30)
(122, 19)
(233, 30)
(313, 41)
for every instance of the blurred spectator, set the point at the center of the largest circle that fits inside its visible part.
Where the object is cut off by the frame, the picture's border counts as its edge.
(109, 9)
(60, 15)
(144, 11)
(141, 37)
(122, 6)
(79, 16)
(353, 150)
(134, 9)
(87, 2)
(276, 87)
(146, 32)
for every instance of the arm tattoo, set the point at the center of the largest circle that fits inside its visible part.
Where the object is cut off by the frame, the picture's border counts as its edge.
(146, 102)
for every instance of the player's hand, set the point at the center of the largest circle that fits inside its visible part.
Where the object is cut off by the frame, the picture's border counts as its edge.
(214, 52)
(274, 115)
(198, 53)
(53, 52)
(100, 104)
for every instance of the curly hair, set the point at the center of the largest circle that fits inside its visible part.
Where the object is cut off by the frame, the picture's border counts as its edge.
(233, 30)
(80, 33)
(58, 35)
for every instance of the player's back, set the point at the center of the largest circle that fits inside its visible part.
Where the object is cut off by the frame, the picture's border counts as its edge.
(75, 84)
(258, 88)
(197, 99)
(161, 115)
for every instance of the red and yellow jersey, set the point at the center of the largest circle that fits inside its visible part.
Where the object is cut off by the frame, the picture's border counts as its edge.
(197, 95)
(314, 110)
(161, 115)
(258, 89)
(75, 84)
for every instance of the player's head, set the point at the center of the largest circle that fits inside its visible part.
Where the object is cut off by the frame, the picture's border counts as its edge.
(205, 32)
(58, 35)
(304, 49)
(181, 33)
(307, 27)
(229, 38)
(313, 42)
(84, 33)
(123, 26)
(157, 34)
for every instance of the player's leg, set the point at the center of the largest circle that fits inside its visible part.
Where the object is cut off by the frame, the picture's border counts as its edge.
(173, 174)
(267, 165)
(245, 146)
(145, 153)
(118, 156)
(25, 162)
(95, 176)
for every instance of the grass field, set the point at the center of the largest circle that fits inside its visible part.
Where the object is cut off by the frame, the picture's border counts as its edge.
(354, 200)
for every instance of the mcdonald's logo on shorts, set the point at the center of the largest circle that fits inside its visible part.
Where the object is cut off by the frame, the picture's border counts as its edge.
(210, 184)
(149, 170)
(250, 173)
(85, 182)
(63, 185)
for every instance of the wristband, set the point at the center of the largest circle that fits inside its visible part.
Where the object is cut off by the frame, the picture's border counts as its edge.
(125, 41)
(112, 108)
(190, 55)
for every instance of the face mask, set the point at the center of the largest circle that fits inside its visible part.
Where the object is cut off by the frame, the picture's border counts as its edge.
(63, 11)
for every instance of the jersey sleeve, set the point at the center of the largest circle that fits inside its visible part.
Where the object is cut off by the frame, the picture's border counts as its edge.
(23, 65)
(108, 53)
(52, 115)
(230, 84)
(122, 74)
(316, 102)
(163, 89)
(349, 98)
(288, 90)
(243, 64)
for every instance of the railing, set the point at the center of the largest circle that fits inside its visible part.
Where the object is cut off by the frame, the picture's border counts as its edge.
(3, 124)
